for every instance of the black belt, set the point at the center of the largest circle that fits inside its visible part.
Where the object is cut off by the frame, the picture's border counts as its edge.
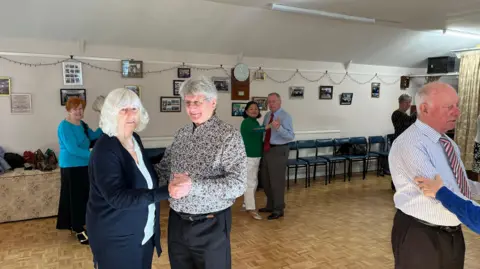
(281, 145)
(448, 229)
(197, 217)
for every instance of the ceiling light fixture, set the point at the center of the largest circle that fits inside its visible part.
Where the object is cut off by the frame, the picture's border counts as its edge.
(460, 34)
(321, 13)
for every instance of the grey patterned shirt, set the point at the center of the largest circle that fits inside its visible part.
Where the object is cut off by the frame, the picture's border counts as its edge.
(213, 154)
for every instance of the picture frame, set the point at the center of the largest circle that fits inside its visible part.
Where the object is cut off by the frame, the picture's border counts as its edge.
(375, 90)
(184, 72)
(135, 88)
(223, 84)
(21, 103)
(72, 73)
(325, 92)
(404, 82)
(132, 69)
(259, 75)
(5, 86)
(176, 86)
(238, 109)
(296, 92)
(346, 98)
(67, 93)
(262, 103)
(170, 104)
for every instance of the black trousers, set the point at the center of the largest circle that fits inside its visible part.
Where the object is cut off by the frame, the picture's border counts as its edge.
(272, 169)
(418, 246)
(74, 191)
(202, 244)
(124, 255)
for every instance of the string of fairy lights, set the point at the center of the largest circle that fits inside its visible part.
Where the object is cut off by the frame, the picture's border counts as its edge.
(323, 75)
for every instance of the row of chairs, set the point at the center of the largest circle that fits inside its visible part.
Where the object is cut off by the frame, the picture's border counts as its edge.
(377, 147)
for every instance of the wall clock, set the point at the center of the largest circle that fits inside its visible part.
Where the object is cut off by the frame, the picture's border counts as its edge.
(241, 72)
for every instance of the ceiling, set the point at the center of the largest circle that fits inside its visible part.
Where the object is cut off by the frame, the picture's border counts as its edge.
(248, 26)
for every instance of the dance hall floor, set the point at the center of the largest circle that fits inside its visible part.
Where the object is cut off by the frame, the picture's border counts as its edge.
(342, 225)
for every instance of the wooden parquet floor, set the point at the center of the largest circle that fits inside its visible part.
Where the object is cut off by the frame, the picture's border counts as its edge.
(342, 226)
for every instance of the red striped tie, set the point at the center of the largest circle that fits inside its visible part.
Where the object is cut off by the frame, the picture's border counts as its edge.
(456, 167)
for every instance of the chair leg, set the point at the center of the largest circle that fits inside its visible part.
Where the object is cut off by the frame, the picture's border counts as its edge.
(307, 180)
(345, 171)
(326, 174)
(364, 168)
(288, 178)
(296, 172)
(314, 172)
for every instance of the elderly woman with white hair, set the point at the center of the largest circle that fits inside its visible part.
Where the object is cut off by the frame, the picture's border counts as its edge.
(123, 208)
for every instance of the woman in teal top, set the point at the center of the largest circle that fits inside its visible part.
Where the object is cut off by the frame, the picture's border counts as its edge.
(74, 138)
(252, 134)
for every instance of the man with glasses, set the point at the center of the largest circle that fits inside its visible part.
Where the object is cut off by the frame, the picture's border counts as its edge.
(211, 155)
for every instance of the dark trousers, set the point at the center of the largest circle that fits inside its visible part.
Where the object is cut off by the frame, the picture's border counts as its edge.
(125, 255)
(272, 169)
(418, 246)
(74, 191)
(200, 244)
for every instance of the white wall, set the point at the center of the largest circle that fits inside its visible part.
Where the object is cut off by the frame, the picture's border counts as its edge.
(366, 116)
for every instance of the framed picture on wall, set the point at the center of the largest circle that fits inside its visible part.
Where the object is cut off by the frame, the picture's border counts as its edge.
(134, 88)
(346, 98)
(5, 86)
(170, 104)
(176, 87)
(21, 103)
(262, 102)
(72, 74)
(325, 92)
(67, 93)
(222, 84)
(237, 109)
(184, 72)
(296, 92)
(132, 69)
(375, 90)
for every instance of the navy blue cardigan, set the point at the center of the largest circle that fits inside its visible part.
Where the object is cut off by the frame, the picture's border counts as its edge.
(117, 208)
(465, 210)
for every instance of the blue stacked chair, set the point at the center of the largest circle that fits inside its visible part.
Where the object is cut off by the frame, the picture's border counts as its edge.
(351, 158)
(312, 160)
(295, 164)
(331, 158)
(381, 154)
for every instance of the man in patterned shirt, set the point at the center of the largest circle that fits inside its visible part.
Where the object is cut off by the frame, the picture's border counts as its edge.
(211, 155)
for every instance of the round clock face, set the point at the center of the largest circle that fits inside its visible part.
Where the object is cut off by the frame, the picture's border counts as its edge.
(241, 72)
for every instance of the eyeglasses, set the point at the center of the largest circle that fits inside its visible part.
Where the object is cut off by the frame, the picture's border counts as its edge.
(194, 103)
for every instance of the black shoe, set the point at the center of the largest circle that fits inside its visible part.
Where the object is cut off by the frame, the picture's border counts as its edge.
(83, 238)
(265, 210)
(275, 215)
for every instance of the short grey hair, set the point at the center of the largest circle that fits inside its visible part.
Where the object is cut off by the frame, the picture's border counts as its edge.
(276, 94)
(197, 86)
(405, 98)
(98, 103)
(117, 100)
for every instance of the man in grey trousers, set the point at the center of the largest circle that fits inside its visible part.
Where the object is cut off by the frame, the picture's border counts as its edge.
(275, 155)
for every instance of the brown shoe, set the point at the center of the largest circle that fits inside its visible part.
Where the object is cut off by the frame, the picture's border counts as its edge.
(255, 214)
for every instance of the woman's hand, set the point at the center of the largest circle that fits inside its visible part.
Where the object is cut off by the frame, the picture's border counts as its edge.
(429, 187)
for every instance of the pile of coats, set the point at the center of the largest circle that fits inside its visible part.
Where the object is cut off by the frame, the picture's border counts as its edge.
(31, 160)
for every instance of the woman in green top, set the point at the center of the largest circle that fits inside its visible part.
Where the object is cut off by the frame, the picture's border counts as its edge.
(252, 134)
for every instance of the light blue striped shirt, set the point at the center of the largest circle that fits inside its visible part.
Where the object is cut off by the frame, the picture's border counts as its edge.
(418, 152)
(150, 225)
(285, 133)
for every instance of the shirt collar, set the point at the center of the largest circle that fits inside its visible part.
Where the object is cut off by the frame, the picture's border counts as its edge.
(278, 111)
(214, 119)
(428, 131)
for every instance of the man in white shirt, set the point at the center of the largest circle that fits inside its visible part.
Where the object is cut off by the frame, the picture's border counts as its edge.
(426, 235)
